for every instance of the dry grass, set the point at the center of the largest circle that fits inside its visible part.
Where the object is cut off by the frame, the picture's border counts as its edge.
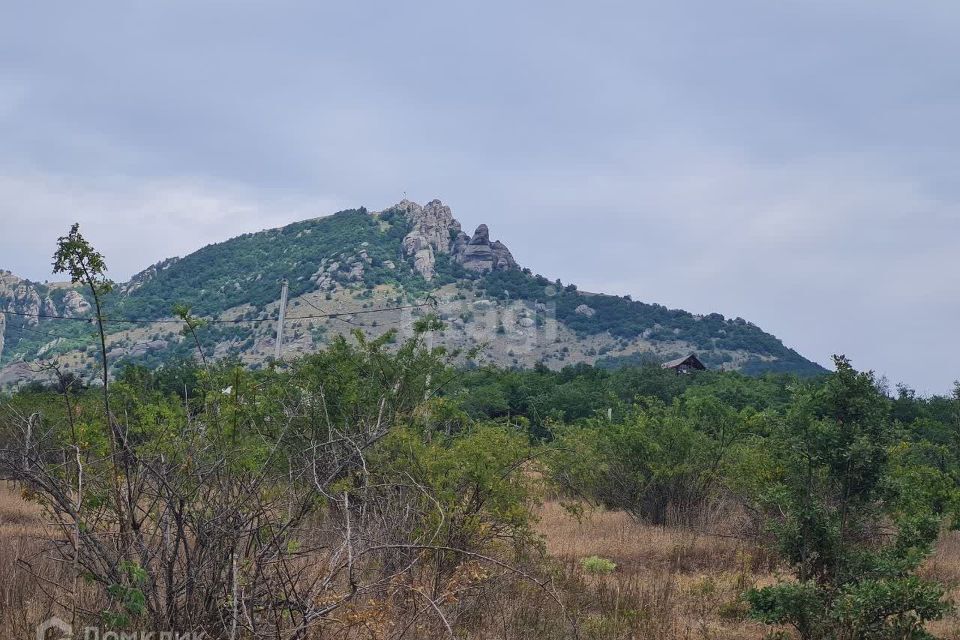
(677, 584)
(25, 600)
(668, 584)
(22, 605)
(944, 566)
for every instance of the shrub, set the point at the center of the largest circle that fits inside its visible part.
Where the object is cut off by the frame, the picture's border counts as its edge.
(597, 566)
(835, 489)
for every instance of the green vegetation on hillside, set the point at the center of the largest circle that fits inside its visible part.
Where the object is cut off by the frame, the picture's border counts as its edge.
(626, 318)
(246, 270)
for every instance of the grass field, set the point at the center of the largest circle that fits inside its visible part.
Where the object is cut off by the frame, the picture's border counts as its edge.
(668, 583)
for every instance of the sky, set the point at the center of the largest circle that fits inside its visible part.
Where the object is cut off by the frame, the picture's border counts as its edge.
(790, 162)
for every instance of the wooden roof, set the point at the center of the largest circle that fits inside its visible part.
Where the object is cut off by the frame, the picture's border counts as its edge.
(691, 361)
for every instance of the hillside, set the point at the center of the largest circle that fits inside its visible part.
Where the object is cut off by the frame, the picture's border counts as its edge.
(374, 271)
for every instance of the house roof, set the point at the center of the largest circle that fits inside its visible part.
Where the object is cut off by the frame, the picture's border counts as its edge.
(689, 361)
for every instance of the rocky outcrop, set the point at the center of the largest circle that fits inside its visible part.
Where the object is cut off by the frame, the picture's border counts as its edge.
(74, 304)
(26, 303)
(432, 227)
(329, 274)
(503, 259)
(435, 231)
(141, 348)
(8, 283)
(20, 372)
(479, 254)
(21, 296)
(584, 310)
(137, 350)
(26, 300)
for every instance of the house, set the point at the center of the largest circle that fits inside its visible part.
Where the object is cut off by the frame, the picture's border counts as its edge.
(685, 365)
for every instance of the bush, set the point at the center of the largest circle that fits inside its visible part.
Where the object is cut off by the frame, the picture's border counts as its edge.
(595, 565)
(660, 462)
(835, 488)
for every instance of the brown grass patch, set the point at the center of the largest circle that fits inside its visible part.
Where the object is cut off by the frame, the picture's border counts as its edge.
(24, 600)
(668, 582)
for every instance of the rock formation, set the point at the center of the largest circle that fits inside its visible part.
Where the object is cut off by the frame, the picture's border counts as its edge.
(430, 235)
(503, 259)
(20, 296)
(436, 231)
(74, 304)
(479, 254)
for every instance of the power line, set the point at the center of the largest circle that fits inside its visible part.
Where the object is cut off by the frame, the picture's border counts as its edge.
(344, 320)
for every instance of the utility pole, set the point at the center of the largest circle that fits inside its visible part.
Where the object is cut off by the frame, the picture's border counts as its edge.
(426, 392)
(283, 314)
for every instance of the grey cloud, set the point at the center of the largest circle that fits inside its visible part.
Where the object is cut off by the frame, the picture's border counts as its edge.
(792, 162)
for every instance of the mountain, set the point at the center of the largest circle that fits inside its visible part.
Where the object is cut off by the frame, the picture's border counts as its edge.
(373, 271)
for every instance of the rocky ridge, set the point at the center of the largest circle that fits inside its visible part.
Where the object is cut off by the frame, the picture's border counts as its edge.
(32, 299)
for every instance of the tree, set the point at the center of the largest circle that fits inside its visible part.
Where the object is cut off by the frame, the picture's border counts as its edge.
(658, 462)
(836, 487)
(76, 257)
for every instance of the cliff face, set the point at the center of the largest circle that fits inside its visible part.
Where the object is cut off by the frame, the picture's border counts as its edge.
(22, 296)
(27, 301)
(435, 231)
(479, 254)
(432, 225)
(31, 299)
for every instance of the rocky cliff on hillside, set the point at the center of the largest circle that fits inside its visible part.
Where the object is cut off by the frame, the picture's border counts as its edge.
(75, 305)
(432, 226)
(435, 231)
(24, 297)
(26, 304)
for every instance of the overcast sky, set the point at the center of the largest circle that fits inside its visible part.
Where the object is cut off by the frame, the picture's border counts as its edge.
(791, 162)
